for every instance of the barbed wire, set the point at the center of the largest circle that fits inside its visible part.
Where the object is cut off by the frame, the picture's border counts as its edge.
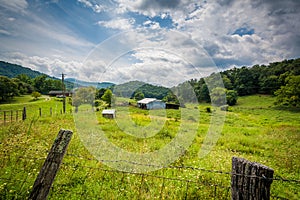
(275, 178)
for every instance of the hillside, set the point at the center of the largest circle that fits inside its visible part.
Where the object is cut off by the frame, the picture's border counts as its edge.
(129, 89)
(87, 84)
(12, 70)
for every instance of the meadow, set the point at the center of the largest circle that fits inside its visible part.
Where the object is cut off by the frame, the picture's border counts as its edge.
(253, 129)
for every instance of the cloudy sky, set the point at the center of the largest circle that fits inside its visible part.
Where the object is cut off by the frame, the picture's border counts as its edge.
(158, 41)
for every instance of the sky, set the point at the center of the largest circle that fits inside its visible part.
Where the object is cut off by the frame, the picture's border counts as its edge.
(163, 42)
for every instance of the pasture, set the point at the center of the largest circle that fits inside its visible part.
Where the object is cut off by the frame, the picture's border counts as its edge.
(253, 129)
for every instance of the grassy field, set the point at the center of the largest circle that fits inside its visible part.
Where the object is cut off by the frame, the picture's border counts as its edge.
(254, 129)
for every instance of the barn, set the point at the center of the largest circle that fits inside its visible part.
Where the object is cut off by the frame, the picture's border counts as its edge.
(151, 103)
(111, 114)
(59, 93)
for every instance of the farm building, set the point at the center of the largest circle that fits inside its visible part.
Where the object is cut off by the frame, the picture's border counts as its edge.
(59, 93)
(151, 103)
(111, 114)
(172, 106)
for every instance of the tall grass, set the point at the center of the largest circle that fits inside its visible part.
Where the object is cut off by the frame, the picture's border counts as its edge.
(254, 129)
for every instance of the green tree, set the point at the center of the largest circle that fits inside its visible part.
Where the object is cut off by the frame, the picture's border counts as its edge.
(221, 96)
(138, 96)
(76, 102)
(171, 98)
(84, 95)
(245, 82)
(36, 95)
(227, 83)
(100, 93)
(269, 85)
(24, 78)
(218, 96)
(289, 95)
(100, 104)
(8, 89)
(231, 97)
(107, 97)
(40, 85)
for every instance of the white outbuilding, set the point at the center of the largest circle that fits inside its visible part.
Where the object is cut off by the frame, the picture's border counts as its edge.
(111, 114)
(151, 103)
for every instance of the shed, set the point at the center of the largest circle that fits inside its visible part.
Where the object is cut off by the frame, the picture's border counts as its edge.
(151, 103)
(172, 106)
(111, 114)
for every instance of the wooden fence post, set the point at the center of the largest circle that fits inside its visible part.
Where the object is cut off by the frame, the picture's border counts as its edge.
(250, 180)
(24, 114)
(40, 109)
(17, 115)
(4, 113)
(43, 182)
(51, 111)
(11, 116)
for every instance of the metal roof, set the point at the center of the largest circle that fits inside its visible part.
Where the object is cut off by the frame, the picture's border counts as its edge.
(112, 111)
(147, 100)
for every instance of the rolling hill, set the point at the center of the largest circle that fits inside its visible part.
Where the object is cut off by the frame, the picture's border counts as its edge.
(12, 70)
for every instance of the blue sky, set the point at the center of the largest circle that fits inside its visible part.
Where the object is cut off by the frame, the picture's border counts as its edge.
(159, 41)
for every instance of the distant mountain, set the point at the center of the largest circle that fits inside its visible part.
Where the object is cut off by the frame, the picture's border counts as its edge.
(87, 84)
(12, 70)
(129, 89)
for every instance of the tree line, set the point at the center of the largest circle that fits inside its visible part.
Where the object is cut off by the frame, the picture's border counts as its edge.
(281, 79)
(23, 84)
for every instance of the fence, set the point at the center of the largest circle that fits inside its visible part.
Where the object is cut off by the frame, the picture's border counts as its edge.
(11, 116)
(82, 177)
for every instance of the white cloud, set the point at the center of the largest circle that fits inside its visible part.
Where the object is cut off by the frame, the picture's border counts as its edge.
(119, 23)
(276, 26)
(4, 32)
(152, 24)
(149, 51)
(50, 66)
(14, 5)
(94, 6)
(156, 56)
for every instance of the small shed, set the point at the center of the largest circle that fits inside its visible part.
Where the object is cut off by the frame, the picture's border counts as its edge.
(172, 106)
(151, 103)
(111, 114)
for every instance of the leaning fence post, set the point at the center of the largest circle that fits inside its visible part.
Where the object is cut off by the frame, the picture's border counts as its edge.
(43, 182)
(250, 180)
(24, 114)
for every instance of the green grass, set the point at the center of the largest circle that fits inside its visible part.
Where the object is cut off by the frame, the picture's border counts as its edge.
(254, 129)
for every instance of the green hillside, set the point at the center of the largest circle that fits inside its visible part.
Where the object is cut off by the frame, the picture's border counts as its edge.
(12, 70)
(129, 90)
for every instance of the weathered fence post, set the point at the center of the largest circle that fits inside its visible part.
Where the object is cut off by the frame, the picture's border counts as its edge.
(250, 180)
(51, 165)
(24, 114)
(51, 111)
(40, 110)
(17, 115)
(4, 113)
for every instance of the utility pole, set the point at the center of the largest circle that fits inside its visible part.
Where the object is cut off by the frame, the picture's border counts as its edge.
(63, 91)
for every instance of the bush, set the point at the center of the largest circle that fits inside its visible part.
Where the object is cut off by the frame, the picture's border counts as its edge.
(208, 109)
(36, 95)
